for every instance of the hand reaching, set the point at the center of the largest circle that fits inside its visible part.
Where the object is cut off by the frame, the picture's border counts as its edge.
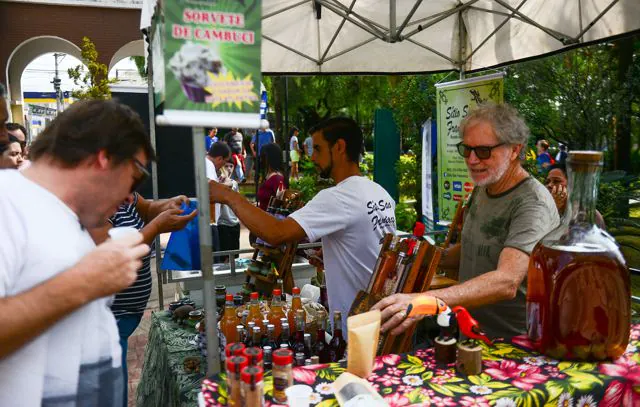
(173, 219)
(394, 317)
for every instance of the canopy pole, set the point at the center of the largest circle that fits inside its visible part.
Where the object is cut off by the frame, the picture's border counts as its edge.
(206, 256)
(154, 177)
(392, 21)
(462, 47)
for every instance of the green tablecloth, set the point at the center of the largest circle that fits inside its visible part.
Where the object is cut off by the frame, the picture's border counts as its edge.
(164, 382)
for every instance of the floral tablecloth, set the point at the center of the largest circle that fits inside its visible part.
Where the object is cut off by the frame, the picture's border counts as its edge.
(513, 375)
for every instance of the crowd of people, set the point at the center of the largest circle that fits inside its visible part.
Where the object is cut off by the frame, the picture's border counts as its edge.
(70, 297)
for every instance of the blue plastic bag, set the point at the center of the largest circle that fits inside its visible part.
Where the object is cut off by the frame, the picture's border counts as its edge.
(183, 249)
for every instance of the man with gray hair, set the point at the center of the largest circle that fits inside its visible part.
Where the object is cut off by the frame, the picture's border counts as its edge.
(508, 212)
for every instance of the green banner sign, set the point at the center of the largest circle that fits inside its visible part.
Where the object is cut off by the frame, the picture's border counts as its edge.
(455, 101)
(212, 59)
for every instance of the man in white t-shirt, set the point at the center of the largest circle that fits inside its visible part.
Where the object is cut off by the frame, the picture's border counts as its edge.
(59, 340)
(218, 155)
(350, 218)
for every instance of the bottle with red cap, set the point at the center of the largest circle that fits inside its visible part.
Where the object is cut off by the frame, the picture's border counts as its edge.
(235, 365)
(418, 235)
(276, 312)
(254, 356)
(296, 304)
(234, 349)
(255, 315)
(282, 374)
(230, 321)
(253, 386)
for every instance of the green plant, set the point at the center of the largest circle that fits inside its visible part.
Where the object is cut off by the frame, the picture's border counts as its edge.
(409, 176)
(366, 166)
(94, 81)
(309, 186)
(405, 217)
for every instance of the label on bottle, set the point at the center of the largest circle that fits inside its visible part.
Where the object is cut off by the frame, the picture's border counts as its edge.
(280, 384)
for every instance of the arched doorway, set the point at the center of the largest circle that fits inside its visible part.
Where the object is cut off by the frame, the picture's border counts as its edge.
(21, 56)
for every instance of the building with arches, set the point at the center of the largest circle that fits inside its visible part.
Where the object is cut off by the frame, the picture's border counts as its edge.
(30, 28)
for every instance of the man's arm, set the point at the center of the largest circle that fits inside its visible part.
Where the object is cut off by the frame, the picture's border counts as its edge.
(265, 226)
(149, 209)
(106, 270)
(451, 257)
(492, 287)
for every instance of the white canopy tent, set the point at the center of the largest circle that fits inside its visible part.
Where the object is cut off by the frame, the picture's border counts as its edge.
(392, 36)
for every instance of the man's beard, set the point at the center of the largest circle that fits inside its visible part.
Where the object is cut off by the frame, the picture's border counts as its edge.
(326, 172)
(494, 175)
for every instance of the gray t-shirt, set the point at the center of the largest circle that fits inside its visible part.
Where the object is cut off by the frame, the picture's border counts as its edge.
(517, 218)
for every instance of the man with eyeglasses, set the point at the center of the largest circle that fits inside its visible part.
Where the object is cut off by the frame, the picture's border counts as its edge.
(59, 340)
(508, 212)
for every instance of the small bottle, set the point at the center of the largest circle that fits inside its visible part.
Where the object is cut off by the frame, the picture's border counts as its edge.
(276, 312)
(229, 321)
(256, 337)
(241, 334)
(252, 386)
(234, 349)
(284, 346)
(254, 356)
(267, 355)
(300, 359)
(280, 286)
(221, 296)
(235, 365)
(285, 335)
(245, 317)
(307, 362)
(315, 360)
(255, 315)
(298, 343)
(248, 334)
(296, 304)
(338, 345)
(308, 347)
(282, 374)
(238, 301)
(269, 339)
(321, 347)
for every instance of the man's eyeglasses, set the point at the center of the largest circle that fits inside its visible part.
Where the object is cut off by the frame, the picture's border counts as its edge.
(482, 152)
(137, 181)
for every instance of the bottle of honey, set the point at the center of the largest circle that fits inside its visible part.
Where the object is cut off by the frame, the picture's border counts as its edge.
(578, 292)
(296, 304)
(276, 311)
(230, 321)
(255, 315)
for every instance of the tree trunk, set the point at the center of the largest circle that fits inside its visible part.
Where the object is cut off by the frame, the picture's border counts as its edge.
(623, 51)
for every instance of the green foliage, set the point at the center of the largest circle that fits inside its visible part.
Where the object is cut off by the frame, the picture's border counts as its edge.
(141, 65)
(405, 216)
(409, 176)
(366, 166)
(609, 195)
(94, 81)
(309, 186)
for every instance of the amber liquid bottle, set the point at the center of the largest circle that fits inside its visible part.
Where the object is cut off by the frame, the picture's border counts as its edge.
(276, 311)
(578, 292)
(255, 315)
(296, 304)
(298, 342)
(321, 347)
(230, 321)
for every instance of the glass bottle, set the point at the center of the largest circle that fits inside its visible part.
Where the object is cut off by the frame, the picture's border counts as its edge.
(229, 321)
(248, 334)
(298, 343)
(282, 374)
(285, 335)
(256, 337)
(267, 354)
(221, 296)
(276, 312)
(241, 333)
(321, 347)
(338, 345)
(255, 315)
(269, 338)
(308, 347)
(252, 386)
(324, 297)
(578, 292)
(296, 304)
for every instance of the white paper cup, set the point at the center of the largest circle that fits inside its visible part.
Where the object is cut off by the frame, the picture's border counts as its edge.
(119, 233)
(298, 395)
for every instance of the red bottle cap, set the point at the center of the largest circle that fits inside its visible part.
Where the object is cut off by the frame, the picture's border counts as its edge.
(282, 357)
(418, 229)
(252, 374)
(234, 349)
(236, 364)
(277, 292)
(254, 296)
(229, 297)
(296, 290)
(253, 355)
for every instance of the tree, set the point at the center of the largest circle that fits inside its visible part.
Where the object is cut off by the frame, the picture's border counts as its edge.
(94, 81)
